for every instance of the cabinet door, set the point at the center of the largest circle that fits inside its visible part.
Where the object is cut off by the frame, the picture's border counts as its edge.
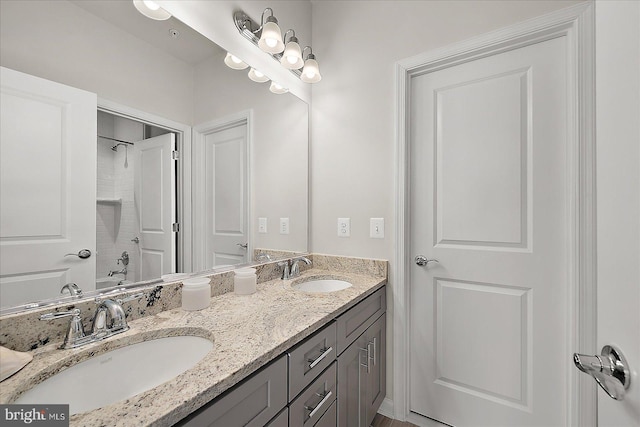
(252, 403)
(376, 382)
(351, 384)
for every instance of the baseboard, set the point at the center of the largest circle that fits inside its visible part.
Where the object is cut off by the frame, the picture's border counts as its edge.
(386, 408)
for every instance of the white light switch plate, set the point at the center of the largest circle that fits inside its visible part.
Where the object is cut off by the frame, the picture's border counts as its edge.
(376, 228)
(284, 225)
(262, 225)
(344, 227)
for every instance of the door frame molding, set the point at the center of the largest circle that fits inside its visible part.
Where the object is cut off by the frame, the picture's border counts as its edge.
(183, 145)
(576, 23)
(240, 118)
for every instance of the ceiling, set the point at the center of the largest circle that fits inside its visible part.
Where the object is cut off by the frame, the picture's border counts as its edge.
(190, 46)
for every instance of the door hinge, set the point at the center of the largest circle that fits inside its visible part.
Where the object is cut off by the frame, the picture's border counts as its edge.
(175, 155)
(175, 227)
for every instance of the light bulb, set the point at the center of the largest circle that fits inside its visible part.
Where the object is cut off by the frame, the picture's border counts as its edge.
(311, 71)
(234, 62)
(277, 88)
(271, 37)
(257, 76)
(151, 4)
(271, 42)
(151, 9)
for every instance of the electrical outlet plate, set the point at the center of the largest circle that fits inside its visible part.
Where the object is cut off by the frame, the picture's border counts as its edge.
(376, 228)
(344, 227)
(262, 225)
(284, 225)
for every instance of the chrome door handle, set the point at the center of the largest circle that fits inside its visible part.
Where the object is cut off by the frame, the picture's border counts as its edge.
(314, 362)
(315, 409)
(610, 370)
(82, 253)
(136, 239)
(243, 245)
(367, 356)
(422, 260)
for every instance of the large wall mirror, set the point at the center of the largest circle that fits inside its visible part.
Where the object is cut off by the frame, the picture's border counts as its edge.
(192, 166)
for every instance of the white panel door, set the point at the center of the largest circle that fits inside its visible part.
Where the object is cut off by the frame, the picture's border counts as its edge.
(488, 324)
(618, 196)
(154, 194)
(225, 157)
(48, 187)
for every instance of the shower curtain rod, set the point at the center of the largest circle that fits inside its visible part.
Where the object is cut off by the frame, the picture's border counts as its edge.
(117, 140)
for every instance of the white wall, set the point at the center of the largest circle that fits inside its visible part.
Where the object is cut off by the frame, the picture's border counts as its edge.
(618, 196)
(60, 41)
(352, 120)
(279, 151)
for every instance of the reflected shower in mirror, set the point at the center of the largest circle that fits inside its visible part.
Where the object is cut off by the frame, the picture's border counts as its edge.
(152, 79)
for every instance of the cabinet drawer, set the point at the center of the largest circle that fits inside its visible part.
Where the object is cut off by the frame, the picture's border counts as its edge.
(354, 322)
(311, 357)
(314, 401)
(329, 417)
(252, 403)
(282, 420)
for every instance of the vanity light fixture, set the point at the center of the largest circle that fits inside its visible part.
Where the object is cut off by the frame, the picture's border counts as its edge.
(277, 88)
(234, 62)
(265, 36)
(311, 71)
(292, 55)
(271, 36)
(150, 9)
(257, 76)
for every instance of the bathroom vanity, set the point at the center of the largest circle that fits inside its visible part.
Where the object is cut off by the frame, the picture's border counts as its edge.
(335, 377)
(321, 356)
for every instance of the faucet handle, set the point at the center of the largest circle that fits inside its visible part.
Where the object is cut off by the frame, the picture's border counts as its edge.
(130, 298)
(75, 336)
(60, 314)
(285, 270)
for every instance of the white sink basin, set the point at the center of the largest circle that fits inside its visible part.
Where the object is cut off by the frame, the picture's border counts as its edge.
(119, 374)
(322, 285)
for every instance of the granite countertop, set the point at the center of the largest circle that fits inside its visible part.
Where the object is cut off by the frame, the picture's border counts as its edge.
(247, 332)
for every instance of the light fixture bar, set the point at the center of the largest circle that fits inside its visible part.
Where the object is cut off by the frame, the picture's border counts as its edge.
(251, 30)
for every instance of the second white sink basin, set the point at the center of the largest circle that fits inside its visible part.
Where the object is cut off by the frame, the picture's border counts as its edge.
(119, 374)
(322, 285)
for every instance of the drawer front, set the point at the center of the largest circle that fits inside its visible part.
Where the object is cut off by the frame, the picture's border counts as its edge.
(329, 417)
(252, 403)
(355, 321)
(311, 357)
(282, 420)
(314, 401)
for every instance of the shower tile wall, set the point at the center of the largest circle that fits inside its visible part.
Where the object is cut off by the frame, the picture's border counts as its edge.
(116, 225)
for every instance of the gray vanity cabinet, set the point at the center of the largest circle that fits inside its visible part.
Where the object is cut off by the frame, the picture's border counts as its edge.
(337, 376)
(362, 364)
(253, 402)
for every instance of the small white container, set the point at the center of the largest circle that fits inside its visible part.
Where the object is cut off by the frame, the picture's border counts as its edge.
(244, 281)
(196, 293)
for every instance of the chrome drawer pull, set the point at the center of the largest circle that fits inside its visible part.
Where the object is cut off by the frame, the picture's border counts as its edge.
(325, 353)
(319, 405)
(367, 356)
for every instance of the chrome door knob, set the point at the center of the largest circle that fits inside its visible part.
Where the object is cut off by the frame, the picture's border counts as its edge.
(610, 370)
(82, 253)
(422, 260)
(243, 245)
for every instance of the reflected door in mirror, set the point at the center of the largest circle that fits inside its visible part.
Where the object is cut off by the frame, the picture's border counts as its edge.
(48, 164)
(155, 200)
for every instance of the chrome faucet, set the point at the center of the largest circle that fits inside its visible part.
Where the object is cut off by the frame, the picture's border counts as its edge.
(291, 268)
(295, 268)
(122, 271)
(110, 319)
(124, 257)
(72, 289)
